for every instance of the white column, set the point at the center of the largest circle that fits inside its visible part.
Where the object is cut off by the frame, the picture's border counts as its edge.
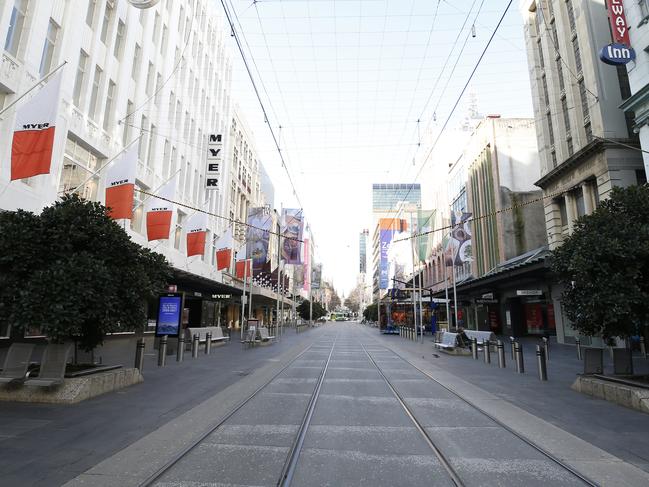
(570, 211)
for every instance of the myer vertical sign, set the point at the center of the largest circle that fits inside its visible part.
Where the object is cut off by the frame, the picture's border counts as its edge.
(214, 160)
(620, 51)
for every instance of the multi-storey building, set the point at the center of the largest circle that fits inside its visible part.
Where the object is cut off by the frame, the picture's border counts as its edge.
(159, 78)
(580, 127)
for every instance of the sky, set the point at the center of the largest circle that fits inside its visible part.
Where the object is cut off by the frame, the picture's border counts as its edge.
(352, 86)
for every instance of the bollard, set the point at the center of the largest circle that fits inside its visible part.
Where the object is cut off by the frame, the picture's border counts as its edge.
(487, 352)
(520, 364)
(162, 351)
(546, 348)
(512, 341)
(400, 331)
(501, 354)
(474, 348)
(180, 353)
(208, 343)
(643, 347)
(540, 360)
(578, 343)
(139, 354)
(195, 346)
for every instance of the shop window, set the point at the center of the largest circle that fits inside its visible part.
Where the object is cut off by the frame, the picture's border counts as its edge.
(579, 203)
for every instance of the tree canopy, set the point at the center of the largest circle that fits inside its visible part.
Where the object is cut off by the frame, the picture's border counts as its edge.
(318, 310)
(371, 312)
(74, 273)
(604, 266)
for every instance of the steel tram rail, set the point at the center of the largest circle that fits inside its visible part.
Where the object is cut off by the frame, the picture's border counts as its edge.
(538, 448)
(150, 481)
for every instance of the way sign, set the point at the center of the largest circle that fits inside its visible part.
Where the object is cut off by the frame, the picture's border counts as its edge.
(617, 54)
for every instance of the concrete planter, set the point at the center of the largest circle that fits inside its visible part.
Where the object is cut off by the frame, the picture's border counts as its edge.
(74, 390)
(622, 394)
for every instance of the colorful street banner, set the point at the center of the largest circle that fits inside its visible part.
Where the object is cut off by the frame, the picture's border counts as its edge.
(292, 228)
(316, 276)
(196, 234)
(224, 247)
(33, 138)
(400, 260)
(425, 225)
(257, 236)
(243, 266)
(120, 185)
(458, 248)
(298, 276)
(307, 265)
(159, 212)
(387, 228)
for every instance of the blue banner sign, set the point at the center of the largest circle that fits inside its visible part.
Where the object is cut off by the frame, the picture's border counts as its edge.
(170, 311)
(617, 54)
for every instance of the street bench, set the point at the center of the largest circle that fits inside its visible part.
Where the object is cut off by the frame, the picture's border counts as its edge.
(264, 336)
(481, 336)
(215, 331)
(448, 341)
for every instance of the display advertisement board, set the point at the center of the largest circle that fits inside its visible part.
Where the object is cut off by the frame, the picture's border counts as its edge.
(170, 312)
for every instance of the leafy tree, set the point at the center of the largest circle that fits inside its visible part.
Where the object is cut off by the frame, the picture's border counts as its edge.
(74, 273)
(371, 312)
(318, 310)
(335, 300)
(353, 301)
(604, 266)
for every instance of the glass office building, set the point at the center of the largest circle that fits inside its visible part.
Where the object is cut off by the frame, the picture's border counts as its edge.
(388, 196)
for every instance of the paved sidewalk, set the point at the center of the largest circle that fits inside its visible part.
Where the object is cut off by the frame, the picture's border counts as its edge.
(618, 430)
(46, 445)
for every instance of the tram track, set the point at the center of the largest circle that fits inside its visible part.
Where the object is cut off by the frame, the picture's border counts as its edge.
(447, 464)
(291, 460)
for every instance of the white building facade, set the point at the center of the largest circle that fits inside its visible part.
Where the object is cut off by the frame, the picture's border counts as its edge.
(159, 78)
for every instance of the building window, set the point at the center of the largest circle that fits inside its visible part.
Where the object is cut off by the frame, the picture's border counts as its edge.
(151, 156)
(571, 15)
(163, 43)
(566, 113)
(16, 24)
(553, 156)
(105, 25)
(119, 39)
(48, 48)
(179, 230)
(589, 132)
(158, 89)
(90, 13)
(563, 213)
(575, 47)
(138, 209)
(546, 95)
(80, 78)
(141, 149)
(571, 148)
(135, 69)
(550, 129)
(108, 109)
(156, 28)
(149, 79)
(94, 95)
(644, 7)
(579, 202)
(78, 165)
(165, 159)
(562, 84)
(583, 94)
(128, 120)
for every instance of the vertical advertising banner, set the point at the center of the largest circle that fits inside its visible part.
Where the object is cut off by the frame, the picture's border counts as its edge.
(196, 234)
(458, 249)
(159, 212)
(214, 161)
(425, 225)
(120, 185)
(258, 237)
(316, 276)
(619, 25)
(307, 265)
(387, 228)
(292, 228)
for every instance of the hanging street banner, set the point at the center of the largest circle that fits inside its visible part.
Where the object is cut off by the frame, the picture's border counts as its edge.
(387, 228)
(224, 247)
(214, 161)
(33, 138)
(298, 276)
(316, 276)
(425, 223)
(458, 249)
(257, 238)
(196, 234)
(292, 227)
(120, 185)
(159, 212)
(400, 260)
(307, 265)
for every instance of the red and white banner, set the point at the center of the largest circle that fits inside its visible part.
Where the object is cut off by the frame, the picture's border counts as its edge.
(120, 185)
(619, 25)
(224, 250)
(243, 267)
(33, 139)
(159, 212)
(196, 234)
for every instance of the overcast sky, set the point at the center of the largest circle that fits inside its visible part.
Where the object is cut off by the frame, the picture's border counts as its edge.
(347, 81)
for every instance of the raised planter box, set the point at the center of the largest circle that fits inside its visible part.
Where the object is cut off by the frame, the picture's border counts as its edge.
(74, 390)
(619, 393)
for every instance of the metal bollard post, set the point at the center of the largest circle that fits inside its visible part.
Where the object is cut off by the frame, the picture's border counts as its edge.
(512, 341)
(578, 343)
(180, 353)
(540, 360)
(474, 348)
(139, 354)
(208, 343)
(195, 346)
(643, 347)
(520, 364)
(162, 351)
(487, 352)
(501, 354)
(546, 348)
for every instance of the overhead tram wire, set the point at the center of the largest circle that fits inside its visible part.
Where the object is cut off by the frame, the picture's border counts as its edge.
(457, 102)
(261, 103)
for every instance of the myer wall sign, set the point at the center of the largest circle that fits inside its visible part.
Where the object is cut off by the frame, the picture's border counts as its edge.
(619, 52)
(214, 161)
